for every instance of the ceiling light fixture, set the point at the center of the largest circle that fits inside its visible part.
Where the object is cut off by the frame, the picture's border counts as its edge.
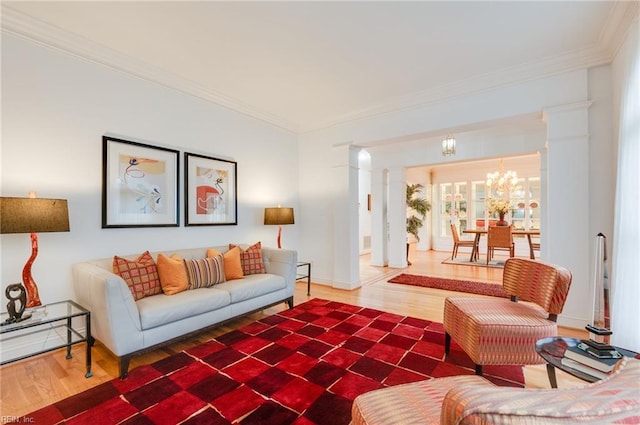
(448, 145)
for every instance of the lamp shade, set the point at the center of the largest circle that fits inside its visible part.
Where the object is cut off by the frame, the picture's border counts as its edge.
(33, 215)
(278, 215)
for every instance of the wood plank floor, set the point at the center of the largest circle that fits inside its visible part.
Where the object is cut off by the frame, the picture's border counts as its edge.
(30, 384)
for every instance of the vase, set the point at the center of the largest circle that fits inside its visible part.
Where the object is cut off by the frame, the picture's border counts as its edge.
(502, 221)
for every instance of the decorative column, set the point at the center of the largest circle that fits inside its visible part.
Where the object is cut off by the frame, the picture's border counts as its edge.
(379, 233)
(346, 267)
(397, 215)
(566, 213)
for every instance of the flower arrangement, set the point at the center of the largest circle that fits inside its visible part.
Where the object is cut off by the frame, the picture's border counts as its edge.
(499, 205)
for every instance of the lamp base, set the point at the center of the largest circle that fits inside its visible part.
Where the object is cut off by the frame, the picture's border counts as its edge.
(33, 296)
(279, 236)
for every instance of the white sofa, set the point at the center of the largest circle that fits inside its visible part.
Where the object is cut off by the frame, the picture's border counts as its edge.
(128, 327)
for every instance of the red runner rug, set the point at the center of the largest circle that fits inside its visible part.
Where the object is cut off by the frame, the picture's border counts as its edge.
(450, 284)
(301, 366)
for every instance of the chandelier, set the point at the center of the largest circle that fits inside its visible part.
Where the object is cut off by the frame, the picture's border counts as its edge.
(448, 146)
(502, 182)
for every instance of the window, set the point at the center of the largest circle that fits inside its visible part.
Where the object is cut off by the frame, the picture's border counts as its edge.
(453, 201)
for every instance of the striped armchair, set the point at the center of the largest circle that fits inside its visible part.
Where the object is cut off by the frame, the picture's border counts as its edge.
(497, 331)
(473, 400)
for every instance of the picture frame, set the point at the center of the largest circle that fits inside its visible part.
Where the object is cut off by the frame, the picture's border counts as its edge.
(210, 191)
(139, 184)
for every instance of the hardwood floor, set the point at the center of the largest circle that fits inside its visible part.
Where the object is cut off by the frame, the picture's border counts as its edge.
(30, 384)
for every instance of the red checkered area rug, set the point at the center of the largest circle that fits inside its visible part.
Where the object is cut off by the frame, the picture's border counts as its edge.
(302, 366)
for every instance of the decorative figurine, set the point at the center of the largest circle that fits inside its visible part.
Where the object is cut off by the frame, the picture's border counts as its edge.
(15, 314)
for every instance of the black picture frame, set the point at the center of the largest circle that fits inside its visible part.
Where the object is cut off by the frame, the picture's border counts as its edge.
(210, 191)
(139, 184)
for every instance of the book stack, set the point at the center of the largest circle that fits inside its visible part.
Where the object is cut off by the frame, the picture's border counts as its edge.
(592, 358)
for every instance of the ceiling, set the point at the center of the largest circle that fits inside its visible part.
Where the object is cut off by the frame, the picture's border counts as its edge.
(307, 65)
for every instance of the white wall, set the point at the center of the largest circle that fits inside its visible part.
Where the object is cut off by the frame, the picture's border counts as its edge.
(55, 110)
(381, 136)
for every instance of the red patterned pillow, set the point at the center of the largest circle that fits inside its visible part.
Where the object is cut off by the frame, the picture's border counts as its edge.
(251, 259)
(140, 274)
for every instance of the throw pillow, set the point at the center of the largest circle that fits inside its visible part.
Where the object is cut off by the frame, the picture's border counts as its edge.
(205, 272)
(173, 275)
(140, 274)
(251, 259)
(232, 265)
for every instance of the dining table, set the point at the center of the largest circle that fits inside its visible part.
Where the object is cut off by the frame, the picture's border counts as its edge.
(479, 231)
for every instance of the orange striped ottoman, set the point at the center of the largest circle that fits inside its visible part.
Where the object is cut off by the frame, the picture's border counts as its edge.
(417, 403)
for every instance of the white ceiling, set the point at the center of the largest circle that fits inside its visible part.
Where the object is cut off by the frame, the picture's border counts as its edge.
(306, 65)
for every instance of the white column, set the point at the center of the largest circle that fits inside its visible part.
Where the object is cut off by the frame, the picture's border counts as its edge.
(346, 267)
(379, 232)
(566, 216)
(397, 215)
(425, 231)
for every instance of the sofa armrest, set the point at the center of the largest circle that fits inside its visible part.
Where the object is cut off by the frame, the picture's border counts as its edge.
(283, 262)
(115, 320)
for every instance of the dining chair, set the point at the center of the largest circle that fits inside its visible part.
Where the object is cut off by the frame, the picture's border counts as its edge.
(535, 246)
(457, 242)
(499, 237)
(501, 331)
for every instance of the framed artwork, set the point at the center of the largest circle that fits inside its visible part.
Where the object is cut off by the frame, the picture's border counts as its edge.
(210, 194)
(139, 185)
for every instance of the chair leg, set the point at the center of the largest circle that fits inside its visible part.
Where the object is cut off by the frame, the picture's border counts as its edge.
(479, 370)
(447, 343)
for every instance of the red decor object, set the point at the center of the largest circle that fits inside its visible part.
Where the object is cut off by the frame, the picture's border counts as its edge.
(33, 215)
(502, 221)
(304, 366)
(467, 286)
(33, 296)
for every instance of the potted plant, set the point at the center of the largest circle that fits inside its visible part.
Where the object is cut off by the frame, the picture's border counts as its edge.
(417, 207)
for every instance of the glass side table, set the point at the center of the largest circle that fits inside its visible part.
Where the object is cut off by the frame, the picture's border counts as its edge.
(305, 274)
(552, 350)
(50, 327)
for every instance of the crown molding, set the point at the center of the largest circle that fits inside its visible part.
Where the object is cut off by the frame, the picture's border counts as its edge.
(618, 24)
(26, 27)
(620, 19)
(581, 59)
(613, 35)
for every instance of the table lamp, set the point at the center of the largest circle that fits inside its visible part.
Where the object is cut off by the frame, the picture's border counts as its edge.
(31, 215)
(278, 216)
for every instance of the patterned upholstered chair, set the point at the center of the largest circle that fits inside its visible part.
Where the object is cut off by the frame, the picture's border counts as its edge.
(473, 400)
(498, 331)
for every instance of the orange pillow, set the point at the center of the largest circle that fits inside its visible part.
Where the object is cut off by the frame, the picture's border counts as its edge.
(173, 274)
(232, 265)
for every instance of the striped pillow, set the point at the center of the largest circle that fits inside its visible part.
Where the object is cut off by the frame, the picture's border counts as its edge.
(205, 272)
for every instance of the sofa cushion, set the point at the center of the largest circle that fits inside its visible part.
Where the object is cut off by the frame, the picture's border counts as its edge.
(204, 272)
(140, 274)
(251, 259)
(173, 274)
(252, 286)
(232, 265)
(162, 309)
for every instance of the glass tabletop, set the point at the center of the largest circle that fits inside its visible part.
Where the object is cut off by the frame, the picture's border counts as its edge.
(44, 314)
